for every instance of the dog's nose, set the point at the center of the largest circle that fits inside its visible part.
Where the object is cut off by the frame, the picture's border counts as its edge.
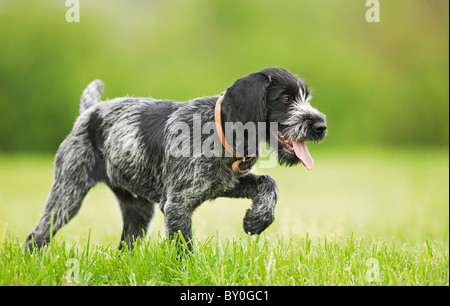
(320, 126)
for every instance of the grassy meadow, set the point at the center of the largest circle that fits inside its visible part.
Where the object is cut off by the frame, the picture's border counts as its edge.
(360, 217)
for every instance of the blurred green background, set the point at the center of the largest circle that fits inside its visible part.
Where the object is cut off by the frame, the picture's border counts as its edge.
(382, 170)
(382, 84)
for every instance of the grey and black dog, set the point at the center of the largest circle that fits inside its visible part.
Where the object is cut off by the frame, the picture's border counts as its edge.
(125, 143)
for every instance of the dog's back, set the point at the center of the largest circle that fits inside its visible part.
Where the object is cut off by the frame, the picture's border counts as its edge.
(127, 136)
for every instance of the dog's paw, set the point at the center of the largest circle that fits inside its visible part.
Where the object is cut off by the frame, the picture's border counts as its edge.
(255, 222)
(32, 243)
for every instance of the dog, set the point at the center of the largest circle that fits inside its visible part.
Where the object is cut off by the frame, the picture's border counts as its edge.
(128, 144)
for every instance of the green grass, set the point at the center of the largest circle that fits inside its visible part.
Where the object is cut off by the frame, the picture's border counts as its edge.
(281, 261)
(360, 217)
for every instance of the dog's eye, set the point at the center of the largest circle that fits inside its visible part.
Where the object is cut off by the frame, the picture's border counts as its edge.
(285, 98)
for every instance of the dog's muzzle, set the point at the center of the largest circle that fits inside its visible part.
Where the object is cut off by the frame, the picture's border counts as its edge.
(320, 127)
(293, 139)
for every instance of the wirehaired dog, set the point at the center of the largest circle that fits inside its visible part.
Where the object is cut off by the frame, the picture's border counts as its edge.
(128, 142)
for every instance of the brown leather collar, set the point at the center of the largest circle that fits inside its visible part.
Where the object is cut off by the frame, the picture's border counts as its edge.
(218, 121)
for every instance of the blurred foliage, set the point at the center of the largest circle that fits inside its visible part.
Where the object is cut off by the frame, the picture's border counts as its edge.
(380, 83)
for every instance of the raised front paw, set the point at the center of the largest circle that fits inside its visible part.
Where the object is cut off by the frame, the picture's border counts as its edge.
(256, 221)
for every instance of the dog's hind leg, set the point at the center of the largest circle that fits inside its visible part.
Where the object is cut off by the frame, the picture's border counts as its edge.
(263, 190)
(75, 173)
(137, 213)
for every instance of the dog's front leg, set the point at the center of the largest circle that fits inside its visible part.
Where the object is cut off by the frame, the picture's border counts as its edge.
(178, 219)
(264, 192)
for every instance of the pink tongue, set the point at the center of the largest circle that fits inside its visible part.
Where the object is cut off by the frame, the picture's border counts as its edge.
(302, 153)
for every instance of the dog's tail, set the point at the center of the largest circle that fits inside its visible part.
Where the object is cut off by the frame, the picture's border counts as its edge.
(91, 95)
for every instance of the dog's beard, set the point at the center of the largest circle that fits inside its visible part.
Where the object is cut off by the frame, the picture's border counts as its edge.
(304, 123)
(291, 152)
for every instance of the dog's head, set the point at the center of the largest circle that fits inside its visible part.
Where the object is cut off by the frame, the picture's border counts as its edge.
(276, 95)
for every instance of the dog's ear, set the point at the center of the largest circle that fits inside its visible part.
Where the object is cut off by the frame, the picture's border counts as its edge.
(245, 100)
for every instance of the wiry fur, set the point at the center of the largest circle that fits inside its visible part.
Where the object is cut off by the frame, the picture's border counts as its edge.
(124, 143)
